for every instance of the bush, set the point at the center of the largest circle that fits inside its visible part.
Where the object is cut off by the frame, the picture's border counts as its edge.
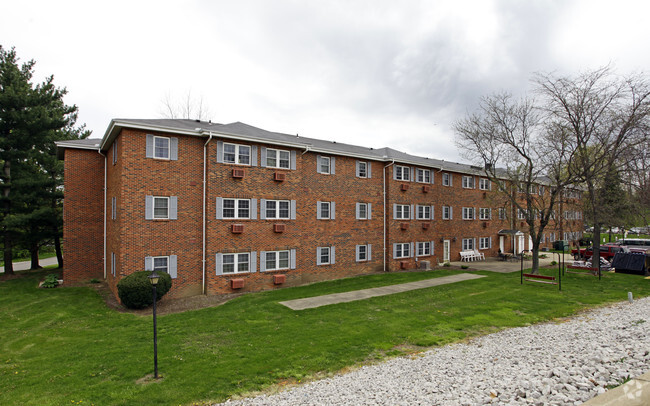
(553, 262)
(51, 281)
(465, 266)
(135, 290)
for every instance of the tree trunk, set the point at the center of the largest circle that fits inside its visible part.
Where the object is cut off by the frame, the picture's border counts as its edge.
(33, 250)
(8, 244)
(57, 247)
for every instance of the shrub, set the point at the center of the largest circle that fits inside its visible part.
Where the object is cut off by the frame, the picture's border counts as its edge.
(464, 266)
(553, 262)
(135, 290)
(446, 264)
(95, 280)
(51, 281)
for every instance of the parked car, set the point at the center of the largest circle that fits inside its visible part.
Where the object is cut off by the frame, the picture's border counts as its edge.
(606, 251)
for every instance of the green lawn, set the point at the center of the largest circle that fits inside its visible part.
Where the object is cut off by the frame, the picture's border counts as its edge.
(64, 346)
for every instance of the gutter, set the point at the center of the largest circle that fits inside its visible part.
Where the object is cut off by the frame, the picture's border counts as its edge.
(384, 185)
(205, 163)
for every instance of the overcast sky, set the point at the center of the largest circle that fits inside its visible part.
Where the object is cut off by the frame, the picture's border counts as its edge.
(373, 73)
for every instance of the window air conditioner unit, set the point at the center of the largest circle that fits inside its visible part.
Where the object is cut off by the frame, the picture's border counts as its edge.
(279, 176)
(238, 173)
(237, 228)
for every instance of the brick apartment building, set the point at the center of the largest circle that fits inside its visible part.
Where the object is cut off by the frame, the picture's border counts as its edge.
(234, 207)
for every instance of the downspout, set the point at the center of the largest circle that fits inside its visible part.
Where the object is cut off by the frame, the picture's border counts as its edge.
(384, 241)
(105, 178)
(205, 161)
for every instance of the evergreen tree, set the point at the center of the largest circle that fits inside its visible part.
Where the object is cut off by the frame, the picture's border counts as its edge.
(32, 117)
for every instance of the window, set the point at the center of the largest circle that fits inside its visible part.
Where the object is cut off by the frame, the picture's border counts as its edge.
(402, 173)
(424, 212)
(468, 182)
(276, 260)
(521, 214)
(447, 212)
(484, 243)
(114, 152)
(468, 213)
(424, 249)
(363, 252)
(236, 208)
(401, 250)
(277, 209)
(161, 207)
(363, 169)
(551, 237)
(468, 244)
(157, 148)
(114, 208)
(113, 265)
(446, 179)
(325, 165)
(401, 212)
(502, 213)
(484, 184)
(236, 154)
(325, 255)
(364, 211)
(423, 175)
(160, 264)
(161, 147)
(326, 210)
(236, 263)
(276, 158)
(485, 214)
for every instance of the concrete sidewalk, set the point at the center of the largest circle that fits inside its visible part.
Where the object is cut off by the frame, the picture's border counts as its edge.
(635, 392)
(495, 265)
(318, 301)
(24, 265)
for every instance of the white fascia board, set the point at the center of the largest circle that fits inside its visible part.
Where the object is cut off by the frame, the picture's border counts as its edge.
(139, 126)
(249, 138)
(70, 144)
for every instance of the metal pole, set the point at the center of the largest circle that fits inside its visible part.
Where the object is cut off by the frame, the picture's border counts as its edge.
(155, 337)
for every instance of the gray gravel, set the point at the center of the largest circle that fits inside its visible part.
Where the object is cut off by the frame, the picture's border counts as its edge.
(558, 363)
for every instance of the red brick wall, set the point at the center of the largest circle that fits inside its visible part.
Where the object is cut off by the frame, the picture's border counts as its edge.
(83, 208)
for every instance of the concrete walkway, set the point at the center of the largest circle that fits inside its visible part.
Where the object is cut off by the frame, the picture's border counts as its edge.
(318, 301)
(24, 265)
(495, 265)
(635, 392)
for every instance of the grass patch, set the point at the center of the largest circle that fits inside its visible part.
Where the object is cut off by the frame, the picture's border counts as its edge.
(64, 346)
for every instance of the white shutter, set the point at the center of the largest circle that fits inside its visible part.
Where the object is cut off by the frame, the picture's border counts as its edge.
(218, 264)
(173, 149)
(173, 272)
(149, 146)
(263, 157)
(369, 211)
(368, 169)
(148, 208)
(173, 207)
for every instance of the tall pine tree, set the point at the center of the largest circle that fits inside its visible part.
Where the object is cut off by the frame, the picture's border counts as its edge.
(32, 117)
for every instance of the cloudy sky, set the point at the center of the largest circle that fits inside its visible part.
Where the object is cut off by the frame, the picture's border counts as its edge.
(373, 73)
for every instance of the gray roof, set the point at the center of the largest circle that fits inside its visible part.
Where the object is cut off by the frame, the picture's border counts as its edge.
(239, 130)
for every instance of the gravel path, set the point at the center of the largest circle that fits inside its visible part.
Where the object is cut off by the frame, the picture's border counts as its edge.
(558, 363)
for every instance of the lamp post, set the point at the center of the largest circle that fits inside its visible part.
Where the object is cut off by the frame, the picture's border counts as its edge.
(153, 278)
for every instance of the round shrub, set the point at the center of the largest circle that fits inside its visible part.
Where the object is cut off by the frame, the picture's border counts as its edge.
(135, 290)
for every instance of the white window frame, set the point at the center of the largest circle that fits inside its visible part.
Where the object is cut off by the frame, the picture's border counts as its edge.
(468, 182)
(485, 213)
(469, 213)
(426, 175)
(276, 212)
(236, 208)
(362, 253)
(423, 249)
(114, 208)
(468, 244)
(362, 173)
(115, 152)
(484, 243)
(447, 179)
(277, 260)
(403, 173)
(521, 214)
(160, 268)
(424, 212)
(502, 213)
(168, 148)
(325, 169)
(363, 211)
(160, 217)
(276, 154)
(236, 262)
(326, 253)
(484, 184)
(238, 154)
(446, 213)
(402, 211)
(403, 248)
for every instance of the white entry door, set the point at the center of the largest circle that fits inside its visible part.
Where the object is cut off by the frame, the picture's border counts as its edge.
(446, 248)
(520, 244)
(502, 243)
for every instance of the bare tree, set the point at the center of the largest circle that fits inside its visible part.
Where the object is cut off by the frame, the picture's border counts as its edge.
(188, 107)
(604, 117)
(508, 137)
